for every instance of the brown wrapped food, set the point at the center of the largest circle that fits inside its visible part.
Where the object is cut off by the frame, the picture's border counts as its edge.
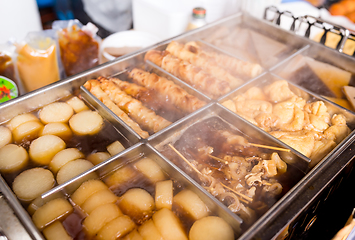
(79, 51)
(178, 96)
(189, 73)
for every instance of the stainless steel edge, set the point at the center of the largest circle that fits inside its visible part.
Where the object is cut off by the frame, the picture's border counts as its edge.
(22, 215)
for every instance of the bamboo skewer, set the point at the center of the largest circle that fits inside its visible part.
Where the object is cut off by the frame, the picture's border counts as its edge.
(183, 158)
(270, 147)
(218, 159)
(238, 193)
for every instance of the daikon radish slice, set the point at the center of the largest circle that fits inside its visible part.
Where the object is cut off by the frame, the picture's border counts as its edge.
(5, 136)
(87, 189)
(100, 216)
(63, 157)
(27, 131)
(98, 157)
(169, 225)
(43, 149)
(134, 235)
(12, 158)
(115, 148)
(73, 169)
(137, 203)
(61, 130)
(150, 169)
(19, 119)
(116, 228)
(97, 199)
(56, 112)
(77, 104)
(32, 183)
(149, 231)
(86, 123)
(211, 228)
(164, 194)
(120, 176)
(53, 210)
(56, 231)
(191, 204)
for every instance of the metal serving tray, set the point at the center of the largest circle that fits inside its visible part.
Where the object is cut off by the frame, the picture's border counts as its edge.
(287, 211)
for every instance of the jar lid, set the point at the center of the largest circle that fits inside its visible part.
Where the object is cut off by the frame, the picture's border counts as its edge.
(199, 12)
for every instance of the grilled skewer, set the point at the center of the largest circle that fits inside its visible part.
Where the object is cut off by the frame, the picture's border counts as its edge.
(178, 96)
(189, 73)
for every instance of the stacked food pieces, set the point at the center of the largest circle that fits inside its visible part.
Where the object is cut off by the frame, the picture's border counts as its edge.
(210, 72)
(322, 78)
(49, 146)
(228, 164)
(140, 103)
(290, 115)
(248, 44)
(137, 201)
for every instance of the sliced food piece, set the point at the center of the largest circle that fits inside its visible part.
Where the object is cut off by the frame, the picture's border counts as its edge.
(116, 228)
(53, 210)
(86, 123)
(43, 149)
(150, 169)
(19, 119)
(63, 157)
(100, 216)
(56, 231)
(32, 183)
(98, 157)
(343, 102)
(27, 131)
(164, 194)
(120, 176)
(73, 169)
(97, 199)
(5, 136)
(87, 189)
(115, 148)
(61, 130)
(350, 95)
(333, 77)
(77, 104)
(56, 112)
(134, 235)
(169, 225)
(149, 232)
(12, 158)
(211, 228)
(137, 203)
(191, 204)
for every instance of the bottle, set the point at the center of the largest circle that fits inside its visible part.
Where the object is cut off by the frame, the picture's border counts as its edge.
(198, 18)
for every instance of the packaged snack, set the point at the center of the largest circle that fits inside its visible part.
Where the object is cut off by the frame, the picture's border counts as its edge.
(78, 44)
(10, 86)
(37, 60)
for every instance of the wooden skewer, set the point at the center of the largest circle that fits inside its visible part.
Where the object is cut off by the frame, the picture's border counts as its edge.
(238, 193)
(270, 147)
(218, 159)
(183, 158)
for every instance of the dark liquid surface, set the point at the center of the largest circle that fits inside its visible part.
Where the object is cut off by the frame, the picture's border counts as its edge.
(205, 133)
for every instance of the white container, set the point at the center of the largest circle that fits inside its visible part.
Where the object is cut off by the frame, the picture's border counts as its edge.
(125, 42)
(168, 18)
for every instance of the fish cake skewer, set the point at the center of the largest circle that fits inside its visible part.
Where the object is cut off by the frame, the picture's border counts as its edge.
(178, 96)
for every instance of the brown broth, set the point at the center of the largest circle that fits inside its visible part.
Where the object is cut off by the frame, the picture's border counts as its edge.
(205, 133)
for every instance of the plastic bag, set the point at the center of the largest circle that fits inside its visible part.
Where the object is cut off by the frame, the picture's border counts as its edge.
(37, 60)
(10, 85)
(79, 45)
